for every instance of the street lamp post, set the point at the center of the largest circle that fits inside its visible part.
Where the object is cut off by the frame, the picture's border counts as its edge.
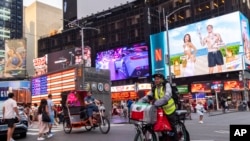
(82, 35)
(168, 48)
(243, 78)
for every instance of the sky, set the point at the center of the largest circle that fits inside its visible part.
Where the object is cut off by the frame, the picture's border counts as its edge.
(55, 3)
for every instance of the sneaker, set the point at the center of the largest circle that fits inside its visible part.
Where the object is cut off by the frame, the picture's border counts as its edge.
(40, 138)
(49, 135)
(11, 139)
(201, 122)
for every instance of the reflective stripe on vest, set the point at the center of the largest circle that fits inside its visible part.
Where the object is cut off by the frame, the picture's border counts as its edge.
(168, 108)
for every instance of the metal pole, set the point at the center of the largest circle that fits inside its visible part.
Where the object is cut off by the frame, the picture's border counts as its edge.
(82, 38)
(168, 56)
(168, 48)
(245, 93)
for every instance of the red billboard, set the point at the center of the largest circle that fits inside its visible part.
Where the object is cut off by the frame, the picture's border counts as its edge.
(233, 85)
(201, 87)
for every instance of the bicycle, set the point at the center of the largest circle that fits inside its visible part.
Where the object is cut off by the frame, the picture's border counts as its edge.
(145, 131)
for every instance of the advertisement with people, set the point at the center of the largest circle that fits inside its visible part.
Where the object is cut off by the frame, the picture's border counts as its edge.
(15, 58)
(206, 47)
(246, 41)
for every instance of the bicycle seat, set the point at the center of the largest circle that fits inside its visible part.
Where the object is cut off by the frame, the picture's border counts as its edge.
(181, 112)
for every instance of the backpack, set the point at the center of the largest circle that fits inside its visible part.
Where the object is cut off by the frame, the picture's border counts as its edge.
(175, 92)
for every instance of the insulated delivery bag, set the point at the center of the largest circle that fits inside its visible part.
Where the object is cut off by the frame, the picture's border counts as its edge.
(143, 112)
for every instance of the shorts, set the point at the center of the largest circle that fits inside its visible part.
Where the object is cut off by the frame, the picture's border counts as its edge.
(215, 58)
(52, 119)
(90, 110)
(10, 122)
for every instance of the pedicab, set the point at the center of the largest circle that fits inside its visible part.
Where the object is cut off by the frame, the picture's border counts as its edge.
(75, 113)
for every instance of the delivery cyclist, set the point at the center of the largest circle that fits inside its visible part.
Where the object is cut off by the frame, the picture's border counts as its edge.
(162, 97)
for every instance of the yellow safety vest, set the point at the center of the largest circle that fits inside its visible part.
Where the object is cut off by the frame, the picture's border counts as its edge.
(168, 108)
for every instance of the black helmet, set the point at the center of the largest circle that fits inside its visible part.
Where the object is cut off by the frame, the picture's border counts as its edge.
(158, 75)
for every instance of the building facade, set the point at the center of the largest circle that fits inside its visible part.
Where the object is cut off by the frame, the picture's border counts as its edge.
(11, 20)
(134, 22)
(40, 20)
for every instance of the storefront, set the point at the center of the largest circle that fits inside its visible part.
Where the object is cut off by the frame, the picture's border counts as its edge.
(121, 94)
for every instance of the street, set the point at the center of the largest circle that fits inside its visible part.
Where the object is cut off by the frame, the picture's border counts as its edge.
(214, 128)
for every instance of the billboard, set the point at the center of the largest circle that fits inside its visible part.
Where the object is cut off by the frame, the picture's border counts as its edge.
(233, 85)
(68, 57)
(201, 87)
(21, 90)
(15, 59)
(40, 65)
(125, 62)
(201, 48)
(246, 42)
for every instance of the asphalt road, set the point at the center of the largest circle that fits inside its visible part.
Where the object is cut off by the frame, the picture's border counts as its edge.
(214, 128)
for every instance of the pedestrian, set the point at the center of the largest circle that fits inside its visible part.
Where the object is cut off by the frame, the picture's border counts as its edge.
(187, 106)
(200, 111)
(51, 112)
(43, 126)
(210, 104)
(35, 112)
(10, 112)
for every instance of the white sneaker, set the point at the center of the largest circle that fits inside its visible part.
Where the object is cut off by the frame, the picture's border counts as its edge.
(40, 138)
(49, 135)
(201, 122)
(11, 139)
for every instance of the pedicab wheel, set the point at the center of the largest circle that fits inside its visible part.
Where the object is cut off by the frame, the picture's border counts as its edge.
(88, 127)
(104, 125)
(67, 126)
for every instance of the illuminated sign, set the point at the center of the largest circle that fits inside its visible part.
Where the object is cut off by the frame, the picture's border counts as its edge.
(124, 95)
(233, 85)
(183, 89)
(39, 86)
(40, 65)
(200, 87)
(144, 86)
(157, 44)
(200, 48)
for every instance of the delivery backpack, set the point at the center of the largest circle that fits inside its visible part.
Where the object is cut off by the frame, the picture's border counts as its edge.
(175, 92)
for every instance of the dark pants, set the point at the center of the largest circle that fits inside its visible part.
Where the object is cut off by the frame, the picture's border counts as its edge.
(172, 121)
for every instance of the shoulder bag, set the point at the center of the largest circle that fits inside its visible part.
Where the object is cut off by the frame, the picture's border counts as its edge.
(45, 117)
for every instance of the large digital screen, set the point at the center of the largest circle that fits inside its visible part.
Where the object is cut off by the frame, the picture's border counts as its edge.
(68, 57)
(14, 63)
(125, 62)
(206, 47)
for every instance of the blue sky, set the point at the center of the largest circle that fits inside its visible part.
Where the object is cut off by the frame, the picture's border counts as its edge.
(55, 3)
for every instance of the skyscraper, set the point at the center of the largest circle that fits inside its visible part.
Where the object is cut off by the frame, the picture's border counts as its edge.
(11, 20)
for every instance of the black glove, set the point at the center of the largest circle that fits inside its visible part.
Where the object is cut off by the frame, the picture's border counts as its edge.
(150, 97)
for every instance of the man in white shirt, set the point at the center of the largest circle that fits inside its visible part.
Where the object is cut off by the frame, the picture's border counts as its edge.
(51, 112)
(10, 112)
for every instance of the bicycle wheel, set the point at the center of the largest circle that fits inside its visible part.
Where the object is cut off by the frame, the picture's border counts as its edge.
(147, 136)
(104, 125)
(67, 125)
(181, 132)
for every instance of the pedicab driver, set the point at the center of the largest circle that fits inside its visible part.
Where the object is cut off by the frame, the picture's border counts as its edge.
(90, 103)
(162, 97)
